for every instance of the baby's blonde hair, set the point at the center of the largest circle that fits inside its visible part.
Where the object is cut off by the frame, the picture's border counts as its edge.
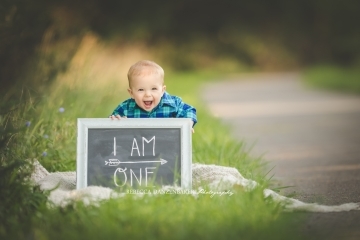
(145, 67)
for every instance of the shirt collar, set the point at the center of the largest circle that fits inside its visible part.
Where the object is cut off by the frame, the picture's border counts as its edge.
(167, 99)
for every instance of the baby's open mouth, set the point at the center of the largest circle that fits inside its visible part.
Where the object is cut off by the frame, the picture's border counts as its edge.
(147, 103)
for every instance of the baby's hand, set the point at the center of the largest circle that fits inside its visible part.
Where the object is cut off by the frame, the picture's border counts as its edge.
(116, 117)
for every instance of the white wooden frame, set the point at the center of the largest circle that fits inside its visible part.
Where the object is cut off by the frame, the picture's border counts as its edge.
(84, 124)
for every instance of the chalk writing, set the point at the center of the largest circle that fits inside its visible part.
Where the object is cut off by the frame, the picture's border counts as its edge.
(135, 146)
(114, 162)
(132, 174)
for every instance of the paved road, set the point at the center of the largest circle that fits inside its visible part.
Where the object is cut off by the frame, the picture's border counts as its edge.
(310, 138)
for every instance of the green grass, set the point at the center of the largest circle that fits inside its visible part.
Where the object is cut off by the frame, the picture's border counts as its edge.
(333, 78)
(51, 138)
(243, 215)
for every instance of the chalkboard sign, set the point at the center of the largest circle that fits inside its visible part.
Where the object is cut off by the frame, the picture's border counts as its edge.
(139, 153)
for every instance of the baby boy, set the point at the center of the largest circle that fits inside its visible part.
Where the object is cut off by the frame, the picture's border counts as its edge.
(149, 98)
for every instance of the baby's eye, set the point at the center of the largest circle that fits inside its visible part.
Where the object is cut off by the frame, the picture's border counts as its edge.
(154, 88)
(140, 89)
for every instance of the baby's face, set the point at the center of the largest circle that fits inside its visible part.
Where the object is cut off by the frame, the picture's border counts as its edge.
(147, 90)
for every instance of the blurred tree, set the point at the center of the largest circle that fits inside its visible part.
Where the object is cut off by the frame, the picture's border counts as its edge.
(22, 25)
(258, 32)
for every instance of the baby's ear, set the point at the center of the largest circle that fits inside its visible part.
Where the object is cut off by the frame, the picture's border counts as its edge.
(130, 92)
(164, 88)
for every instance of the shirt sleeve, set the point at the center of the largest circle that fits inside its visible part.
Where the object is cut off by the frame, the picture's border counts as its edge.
(119, 110)
(186, 111)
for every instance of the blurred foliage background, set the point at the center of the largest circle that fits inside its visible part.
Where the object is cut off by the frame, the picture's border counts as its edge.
(225, 35)
(63, 59)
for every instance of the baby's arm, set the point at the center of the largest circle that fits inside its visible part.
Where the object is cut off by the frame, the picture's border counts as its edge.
(118, 113)
(186, 111)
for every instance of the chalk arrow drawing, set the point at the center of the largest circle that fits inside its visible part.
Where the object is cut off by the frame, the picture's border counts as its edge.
(116, 162)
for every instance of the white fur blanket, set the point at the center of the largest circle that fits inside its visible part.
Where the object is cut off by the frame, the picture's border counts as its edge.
(219, 179)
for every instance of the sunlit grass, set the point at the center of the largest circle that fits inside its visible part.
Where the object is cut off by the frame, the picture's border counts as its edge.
(170, 216)
(46, 131)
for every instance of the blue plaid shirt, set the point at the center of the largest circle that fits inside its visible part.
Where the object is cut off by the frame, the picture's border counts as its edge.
(168, 107)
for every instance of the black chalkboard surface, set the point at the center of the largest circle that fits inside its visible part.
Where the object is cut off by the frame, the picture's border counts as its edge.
(139, 153)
